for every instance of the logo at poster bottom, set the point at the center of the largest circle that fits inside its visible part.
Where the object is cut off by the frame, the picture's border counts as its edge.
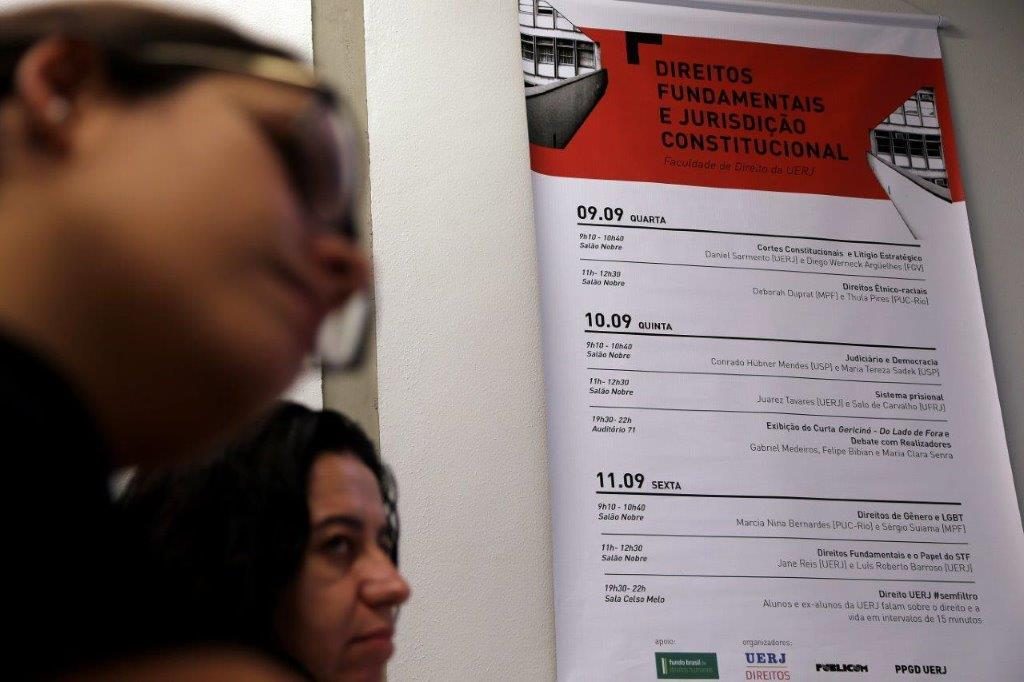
(686, 666)
(767, 666)
(841, 667)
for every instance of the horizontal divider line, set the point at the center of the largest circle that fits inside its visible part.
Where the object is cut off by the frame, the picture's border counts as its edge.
(791, 577)
(747, 234)
(759, 338)
(770, 376)
(781, 497)
(779, 537)
(740, 267)
(787, 414)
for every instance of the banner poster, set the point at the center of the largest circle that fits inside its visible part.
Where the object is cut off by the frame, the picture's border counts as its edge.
(776, 445)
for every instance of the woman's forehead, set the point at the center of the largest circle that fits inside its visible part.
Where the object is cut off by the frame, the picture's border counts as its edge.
(340, 484)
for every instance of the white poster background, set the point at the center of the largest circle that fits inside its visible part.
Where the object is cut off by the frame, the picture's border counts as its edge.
(754, 595)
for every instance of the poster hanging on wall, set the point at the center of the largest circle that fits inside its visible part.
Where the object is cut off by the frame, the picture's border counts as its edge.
(776, 445)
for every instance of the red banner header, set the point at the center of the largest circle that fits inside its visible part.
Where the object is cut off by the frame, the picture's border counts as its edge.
(720, 113)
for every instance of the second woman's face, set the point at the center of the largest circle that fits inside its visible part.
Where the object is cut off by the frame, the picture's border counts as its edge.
(338, 616)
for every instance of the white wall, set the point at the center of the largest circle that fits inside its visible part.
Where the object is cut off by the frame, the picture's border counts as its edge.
(460, 395)
(461, 398)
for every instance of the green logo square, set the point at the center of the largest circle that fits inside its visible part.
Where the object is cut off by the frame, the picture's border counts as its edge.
(686, 666)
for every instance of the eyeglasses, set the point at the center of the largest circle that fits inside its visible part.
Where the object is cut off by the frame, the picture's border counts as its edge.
(320, 151)
(320, 148)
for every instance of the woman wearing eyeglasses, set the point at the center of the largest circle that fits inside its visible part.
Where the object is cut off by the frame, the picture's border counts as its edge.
(286, 542)
(175, 224)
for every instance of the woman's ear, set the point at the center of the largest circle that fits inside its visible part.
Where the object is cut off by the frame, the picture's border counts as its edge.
(49, 82)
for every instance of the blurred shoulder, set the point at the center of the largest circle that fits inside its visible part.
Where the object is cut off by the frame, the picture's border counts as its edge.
(192, 665)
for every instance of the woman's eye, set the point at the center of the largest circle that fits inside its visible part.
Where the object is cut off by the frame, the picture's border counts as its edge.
(290, 154)
(387, 543)
(338, 545)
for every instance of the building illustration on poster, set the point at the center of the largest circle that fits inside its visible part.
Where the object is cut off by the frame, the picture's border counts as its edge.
(907, 157)
(553, 49)
(910, 140)
(561, 71)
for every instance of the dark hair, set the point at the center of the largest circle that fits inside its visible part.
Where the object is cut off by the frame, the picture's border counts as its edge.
(117, 29)
(226, 536)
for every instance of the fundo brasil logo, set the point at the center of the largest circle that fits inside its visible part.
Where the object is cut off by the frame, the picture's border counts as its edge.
(686, 666)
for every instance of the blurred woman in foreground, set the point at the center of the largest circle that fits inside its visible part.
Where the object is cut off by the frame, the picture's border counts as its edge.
(287, 541)
(176, 203)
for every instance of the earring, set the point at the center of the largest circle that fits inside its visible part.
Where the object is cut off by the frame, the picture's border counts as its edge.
(57, 110)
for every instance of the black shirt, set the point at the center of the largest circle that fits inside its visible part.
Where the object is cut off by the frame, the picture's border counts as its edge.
(70, 597)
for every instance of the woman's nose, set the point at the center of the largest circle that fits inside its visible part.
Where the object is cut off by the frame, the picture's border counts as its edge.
(384, 585)
(341, 266)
